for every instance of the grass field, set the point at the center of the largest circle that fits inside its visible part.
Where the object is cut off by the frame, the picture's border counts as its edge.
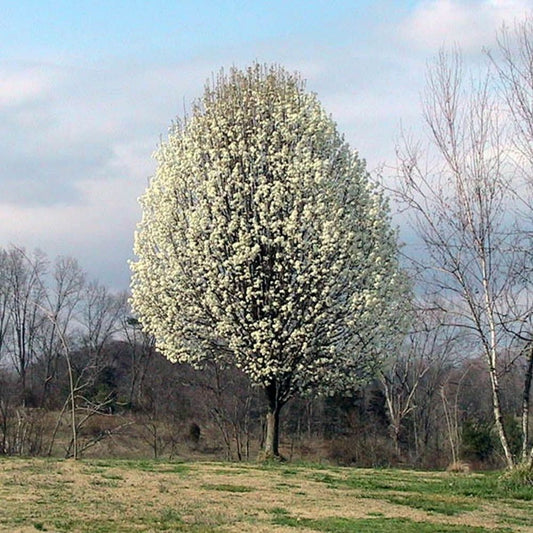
(115, 495)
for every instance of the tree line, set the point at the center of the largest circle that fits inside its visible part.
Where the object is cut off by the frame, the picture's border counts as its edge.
(79, 376)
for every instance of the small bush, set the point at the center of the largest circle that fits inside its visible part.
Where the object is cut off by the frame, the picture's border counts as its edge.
(517, 478)
(478, 442)
(460, 467)
(194, 434)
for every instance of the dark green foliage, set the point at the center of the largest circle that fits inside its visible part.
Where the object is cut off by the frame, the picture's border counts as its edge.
(194, 433)
(514, 434)
(478, 441)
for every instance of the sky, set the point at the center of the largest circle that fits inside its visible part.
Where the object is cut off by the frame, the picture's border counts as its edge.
(89, 89)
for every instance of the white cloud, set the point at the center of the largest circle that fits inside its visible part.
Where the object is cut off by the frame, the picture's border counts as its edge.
(469, 24)
(99, 232)
(21, 86)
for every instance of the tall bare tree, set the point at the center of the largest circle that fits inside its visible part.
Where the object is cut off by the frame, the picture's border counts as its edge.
(25, 273)
(513, 64)
(459, 201)
(62, 297)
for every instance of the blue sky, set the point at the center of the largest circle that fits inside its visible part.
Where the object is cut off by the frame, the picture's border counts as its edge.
(88, 88)
(175, 29)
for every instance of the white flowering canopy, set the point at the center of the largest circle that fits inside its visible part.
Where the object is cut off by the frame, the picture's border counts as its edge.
(263, 243)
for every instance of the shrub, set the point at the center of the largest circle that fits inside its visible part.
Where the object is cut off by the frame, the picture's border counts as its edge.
(478, 441)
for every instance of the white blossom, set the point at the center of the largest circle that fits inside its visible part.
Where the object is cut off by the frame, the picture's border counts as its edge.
(264, 243)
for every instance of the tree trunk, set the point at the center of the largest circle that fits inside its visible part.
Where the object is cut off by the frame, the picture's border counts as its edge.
(271, 446)
(498, 417)
(525, 409)
(272, 434)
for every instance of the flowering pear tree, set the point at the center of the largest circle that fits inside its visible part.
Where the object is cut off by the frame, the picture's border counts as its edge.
(264, 245)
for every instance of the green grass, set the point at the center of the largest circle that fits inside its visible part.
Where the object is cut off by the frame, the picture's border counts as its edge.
(226, 487)
(376, 525)
(488, 485)
(230, 471)
(446, 506)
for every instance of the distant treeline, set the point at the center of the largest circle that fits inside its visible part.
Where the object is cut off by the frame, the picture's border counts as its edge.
(78, 376)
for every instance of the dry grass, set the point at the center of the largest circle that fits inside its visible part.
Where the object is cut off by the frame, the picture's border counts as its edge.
(107, 496)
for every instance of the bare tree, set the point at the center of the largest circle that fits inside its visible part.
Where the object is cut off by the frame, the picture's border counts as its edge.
(513, 63)
(25, 275)
(459, 205)
(428, 347)
(98, 319)
(61, 300)
(527, 361)
(141, 351)
(100, 316)
(230, 397)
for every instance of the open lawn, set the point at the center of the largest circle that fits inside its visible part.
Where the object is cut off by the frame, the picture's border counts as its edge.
(132, 495)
